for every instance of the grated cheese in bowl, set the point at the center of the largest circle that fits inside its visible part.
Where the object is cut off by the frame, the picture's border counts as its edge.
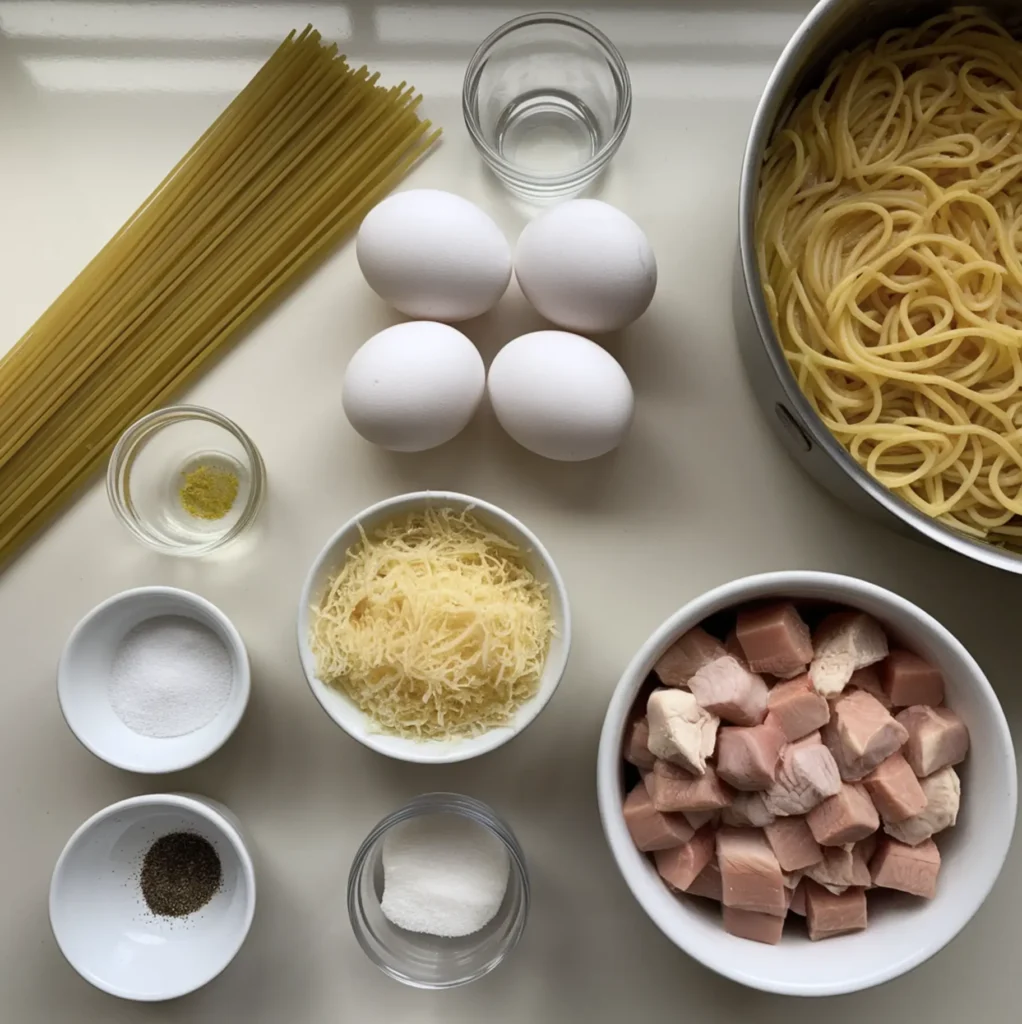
(435, 626)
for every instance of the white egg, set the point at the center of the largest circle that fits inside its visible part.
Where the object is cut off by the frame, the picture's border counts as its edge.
(560, 395)
(586, 266)
(433, 255)
(413, 386)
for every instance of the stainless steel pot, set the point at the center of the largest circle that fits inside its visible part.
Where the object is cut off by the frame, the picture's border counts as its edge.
(832, 26)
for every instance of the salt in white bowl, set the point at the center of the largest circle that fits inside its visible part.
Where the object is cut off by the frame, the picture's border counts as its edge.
(345, 712)
(99, 917)
(903, 930)
(83, 679)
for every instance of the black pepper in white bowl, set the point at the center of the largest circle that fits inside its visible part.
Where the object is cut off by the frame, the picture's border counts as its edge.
(141, 872)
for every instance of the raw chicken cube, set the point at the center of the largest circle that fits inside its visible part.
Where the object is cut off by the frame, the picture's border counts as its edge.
(911, 869)
(680, 730)
(844, 642)
(636, 746)
(747, 924)
(680, 662)
(750, 874)
(681, 865)
(894, 789)
(707, 883)
(674, 789)
(807, 775)
(747, 809)
(846, 817)
(868, 679)
(828, 914)
(726, 688)
(747, 756)
(797, 708)
(908, 680)
(841, 867)
(943, 795)
(797, 904)
(861, 734)
(937, 738)
(793, 843)
(650, 830)
(774, 639)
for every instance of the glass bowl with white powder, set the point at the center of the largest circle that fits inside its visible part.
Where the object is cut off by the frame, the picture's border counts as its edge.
(154, 679)
(438, 893)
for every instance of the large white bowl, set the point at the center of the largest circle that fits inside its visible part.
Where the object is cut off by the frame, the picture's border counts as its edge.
(355, 722)
(83, 677)
(102, 924)
(903, 931)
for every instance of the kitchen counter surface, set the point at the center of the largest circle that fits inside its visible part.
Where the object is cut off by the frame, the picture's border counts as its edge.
(97, 101)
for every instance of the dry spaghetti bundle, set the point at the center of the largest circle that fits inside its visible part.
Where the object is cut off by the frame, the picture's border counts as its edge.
(888, 231)
(290, 166)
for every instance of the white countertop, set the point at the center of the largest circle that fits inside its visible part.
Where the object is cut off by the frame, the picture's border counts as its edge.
(97, 101)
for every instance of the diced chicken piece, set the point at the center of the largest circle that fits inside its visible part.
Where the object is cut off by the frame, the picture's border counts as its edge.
(674, 789)
(685, 657)
(774, 639)
(828, 914)
(636, 746)
(699, 818)
(726, 688)
(797, 905)
(844, 642)
(746, 809)
(707, 883)
(680, 730)
(846, 817)
(894, 789)
(750, 874)
(807, 775)
(650, 830)
(868, 679)
(681, 865)
(911, 869)
(943, 795)
(861, 734)
(747, 755)
(937, 738)
(797, 708)
(840, 868)
(908, 679)
(747, 924)
(793, 843)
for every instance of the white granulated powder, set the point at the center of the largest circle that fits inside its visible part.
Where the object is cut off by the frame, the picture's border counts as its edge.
(170, 676)
(442, 875)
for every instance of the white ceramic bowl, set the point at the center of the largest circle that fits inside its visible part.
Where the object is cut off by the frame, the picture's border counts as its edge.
(84, 674)
(903, 931)
(355, 722)
(101, 922)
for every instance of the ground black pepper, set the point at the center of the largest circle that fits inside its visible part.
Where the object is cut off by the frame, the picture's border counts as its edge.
(180, 874)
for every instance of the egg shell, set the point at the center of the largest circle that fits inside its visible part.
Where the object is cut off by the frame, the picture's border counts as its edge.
(413, 386)
(586, 266)
(561, 395)
(433, 255)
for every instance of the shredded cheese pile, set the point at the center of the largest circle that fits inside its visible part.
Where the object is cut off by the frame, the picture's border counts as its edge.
(435, 627)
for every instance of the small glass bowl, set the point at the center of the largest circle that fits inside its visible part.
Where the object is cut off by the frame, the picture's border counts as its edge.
(547, 100)
(429, 961)
(150, 464)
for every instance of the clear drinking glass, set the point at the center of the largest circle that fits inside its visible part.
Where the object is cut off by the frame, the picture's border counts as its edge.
(547, 100)
(430, 961)
(152, 461)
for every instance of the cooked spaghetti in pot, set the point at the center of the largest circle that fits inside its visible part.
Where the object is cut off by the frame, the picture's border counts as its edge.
(887, 232)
